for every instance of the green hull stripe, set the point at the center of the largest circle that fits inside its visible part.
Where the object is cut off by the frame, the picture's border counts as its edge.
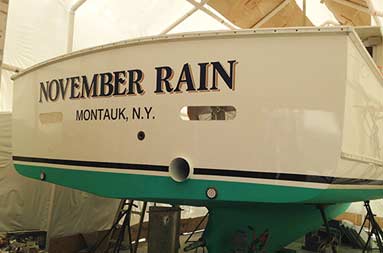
(163, 188)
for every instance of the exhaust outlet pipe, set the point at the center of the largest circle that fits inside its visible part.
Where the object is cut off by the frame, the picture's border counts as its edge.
(180, 169)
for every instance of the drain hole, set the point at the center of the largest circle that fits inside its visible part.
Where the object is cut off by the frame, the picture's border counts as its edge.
(179, 169)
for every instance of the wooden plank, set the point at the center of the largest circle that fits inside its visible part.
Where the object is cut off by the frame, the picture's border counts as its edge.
(247, 13)
(290, 16)
(355, 218)
(3, 8)
(349, 16)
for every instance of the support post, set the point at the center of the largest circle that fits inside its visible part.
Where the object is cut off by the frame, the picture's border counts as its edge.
(375, 228)
(142, 216)
(325, 221)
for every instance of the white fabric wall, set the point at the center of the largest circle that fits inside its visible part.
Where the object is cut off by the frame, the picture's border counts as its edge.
(100, 21)
(30, 204)
(21, 200)
(6, 91)
(36, 31)
(79, 212)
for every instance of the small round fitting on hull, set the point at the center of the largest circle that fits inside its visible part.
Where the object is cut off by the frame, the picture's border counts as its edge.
(43, 176)
(180, 169)
(211, 193)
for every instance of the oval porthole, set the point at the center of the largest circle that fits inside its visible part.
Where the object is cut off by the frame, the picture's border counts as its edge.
(208, 113)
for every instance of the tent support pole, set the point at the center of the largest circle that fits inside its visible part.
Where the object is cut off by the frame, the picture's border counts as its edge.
(212, 14)
(197, 6)
(182, 19)
(375, 14)
(304, 13)
(70, 32)
(11, 68)
(72, 13)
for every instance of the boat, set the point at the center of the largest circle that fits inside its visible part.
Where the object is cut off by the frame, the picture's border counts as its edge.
(264, 127)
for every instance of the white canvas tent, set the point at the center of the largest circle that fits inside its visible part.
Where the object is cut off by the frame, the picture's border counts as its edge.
(30, 205)
(40, 30)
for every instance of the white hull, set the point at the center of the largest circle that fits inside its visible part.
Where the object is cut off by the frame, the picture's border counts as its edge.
(307, 102)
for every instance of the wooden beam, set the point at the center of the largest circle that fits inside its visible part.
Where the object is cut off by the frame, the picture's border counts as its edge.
(355, 13)
(3, 8)
(353, 5)
(272, 13)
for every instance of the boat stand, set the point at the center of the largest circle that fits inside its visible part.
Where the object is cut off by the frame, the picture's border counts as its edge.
(331, 241)
(194, 245)
(375, 228)
(117, 233)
